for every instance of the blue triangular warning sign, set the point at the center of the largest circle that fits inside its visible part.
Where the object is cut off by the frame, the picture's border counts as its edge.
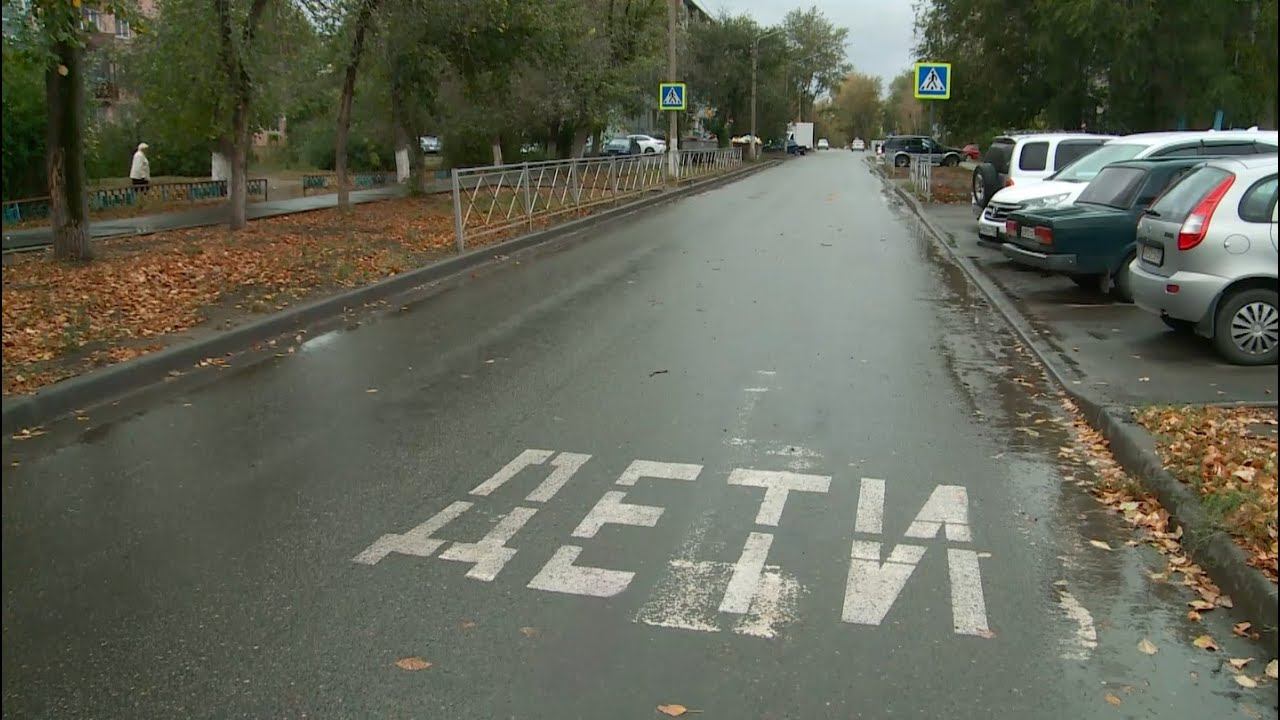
(932, 83)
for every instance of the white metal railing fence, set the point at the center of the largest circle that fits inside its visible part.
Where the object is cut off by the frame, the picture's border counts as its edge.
(921, 170)
(498, 198)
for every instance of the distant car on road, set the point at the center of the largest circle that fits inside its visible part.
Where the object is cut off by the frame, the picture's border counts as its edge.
(430, 144)
(858, 144)
(649, 143)
(823, 144)
(1092, 241)
(900, 149)
(1207, 258)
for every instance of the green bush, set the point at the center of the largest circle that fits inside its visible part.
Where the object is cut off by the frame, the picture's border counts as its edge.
(23, 125)
(314, 142)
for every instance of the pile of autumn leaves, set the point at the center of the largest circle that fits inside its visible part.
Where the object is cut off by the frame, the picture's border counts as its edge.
(1229, 456)
(61, 319)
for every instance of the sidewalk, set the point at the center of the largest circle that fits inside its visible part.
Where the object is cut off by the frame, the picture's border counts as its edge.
(196, 217)
(1118, 350)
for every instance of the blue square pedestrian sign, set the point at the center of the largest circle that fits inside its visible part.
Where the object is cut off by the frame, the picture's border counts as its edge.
(933, 81)
(671, 96)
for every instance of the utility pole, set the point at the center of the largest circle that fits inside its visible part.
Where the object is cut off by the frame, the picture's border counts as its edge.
(673, 131)
(755, 57)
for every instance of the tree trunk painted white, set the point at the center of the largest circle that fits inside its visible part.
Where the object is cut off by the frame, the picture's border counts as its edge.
(402, 165)
(219, 166)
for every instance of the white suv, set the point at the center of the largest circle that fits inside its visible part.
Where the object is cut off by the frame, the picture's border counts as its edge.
(1019, 160)
(1063, 187)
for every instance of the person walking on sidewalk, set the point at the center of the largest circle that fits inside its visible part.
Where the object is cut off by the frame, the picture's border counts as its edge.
(140, 173)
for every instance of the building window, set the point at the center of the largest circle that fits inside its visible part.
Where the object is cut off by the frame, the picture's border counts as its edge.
(122, 29)
(92, 20)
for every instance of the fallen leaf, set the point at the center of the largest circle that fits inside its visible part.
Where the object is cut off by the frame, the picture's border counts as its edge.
(468, 624)
(1204, 642)
(1201, 605)
(1246, 681)
(412, 664)
(1238, 664)
(1193, 616)
(529, 632)
(1147, 647)
(673, 710)
(372, 390)
(1241, 629)
(1272, 670)
(1100, 545)
(1113, 700)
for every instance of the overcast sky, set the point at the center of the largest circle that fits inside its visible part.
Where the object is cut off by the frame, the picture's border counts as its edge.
(880, 31)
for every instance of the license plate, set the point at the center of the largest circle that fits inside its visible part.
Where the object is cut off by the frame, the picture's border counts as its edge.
(1027, 233)
(985, 231)
(1153, 254)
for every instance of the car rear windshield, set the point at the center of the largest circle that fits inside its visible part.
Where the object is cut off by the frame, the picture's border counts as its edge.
(1087, 167)
(1070, 151)
(999, 154)
(1114, 187)
(1178, 201)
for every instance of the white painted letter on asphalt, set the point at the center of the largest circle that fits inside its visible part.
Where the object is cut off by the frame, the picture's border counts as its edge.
(562, 576)
(873, 586)
(511, 469)
(870, 507)
(746, 574)
(948, 506)
(417, 542)
(611, 509)
(968, 608)
(490, 553)
(565, 464)
(777, 484)
(664, 470)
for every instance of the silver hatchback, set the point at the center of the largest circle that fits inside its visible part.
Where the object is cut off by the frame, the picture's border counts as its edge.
(1207, 258)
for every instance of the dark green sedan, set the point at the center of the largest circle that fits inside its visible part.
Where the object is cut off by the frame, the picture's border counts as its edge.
(1093, 240)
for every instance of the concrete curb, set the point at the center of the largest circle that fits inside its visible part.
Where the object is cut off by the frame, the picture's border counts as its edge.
(115, 381)
(1135, 450)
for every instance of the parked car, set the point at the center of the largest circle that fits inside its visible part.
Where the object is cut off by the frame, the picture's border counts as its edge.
(1207, 258)
(1092, 241)
(901, 148)
(1064, 186)
(650, 144)
(823, 144)
(971, 152)
(793, 147)
(622, 146)
(858, 144)
(430, 144)
(1019, 160)
(774, 146)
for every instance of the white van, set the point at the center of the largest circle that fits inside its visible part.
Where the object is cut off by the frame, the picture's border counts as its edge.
(1064, 186)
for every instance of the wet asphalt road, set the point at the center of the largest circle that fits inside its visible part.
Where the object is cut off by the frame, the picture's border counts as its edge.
(217, 553)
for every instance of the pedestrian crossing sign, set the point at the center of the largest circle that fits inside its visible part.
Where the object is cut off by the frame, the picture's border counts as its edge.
(671, 96)
(933, 81)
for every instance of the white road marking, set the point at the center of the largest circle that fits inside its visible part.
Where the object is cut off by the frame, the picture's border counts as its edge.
(562, 576)
(870, 507)
(417, 542)
(1086, 635)
(490, 554)
(968, 607)
(756, 389)
(611, 509)
(663, 470)
(777, 484)
(873, 586)
(746, 574)
(508, 471)
(767, 372)
(948, 507)
(685, 597)
(565, 464)
(801, 458)
(774, 605)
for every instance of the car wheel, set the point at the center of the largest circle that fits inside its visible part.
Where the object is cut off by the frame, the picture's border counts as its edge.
(1247, 327)
(986, 182)
(1178, 325)
(1121, 282)
(901, 161)
(951, 161)
(650, 151)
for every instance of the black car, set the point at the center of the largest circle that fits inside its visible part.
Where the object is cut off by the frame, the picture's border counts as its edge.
(794, 148)
(622, 146)
(899, 149)
(774, 146)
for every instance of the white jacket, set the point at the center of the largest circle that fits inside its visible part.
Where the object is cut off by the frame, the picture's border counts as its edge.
(141, 169)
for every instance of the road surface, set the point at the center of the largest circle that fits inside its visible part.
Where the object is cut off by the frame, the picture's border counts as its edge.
(761, 453)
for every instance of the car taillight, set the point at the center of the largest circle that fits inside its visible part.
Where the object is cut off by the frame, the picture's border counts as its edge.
(1044, 235)
(1011, 228)
(1196, 226)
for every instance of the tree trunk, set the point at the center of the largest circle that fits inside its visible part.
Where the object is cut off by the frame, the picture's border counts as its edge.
(596, 133)
(497, 149)
(580, 135)
(64, 154)
(363, 16)
(238, 189)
